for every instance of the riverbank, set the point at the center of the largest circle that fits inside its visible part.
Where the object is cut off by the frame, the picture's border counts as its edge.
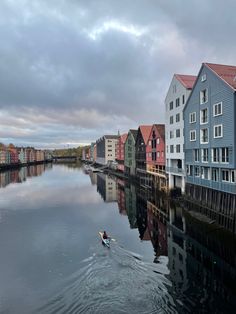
(19, 165)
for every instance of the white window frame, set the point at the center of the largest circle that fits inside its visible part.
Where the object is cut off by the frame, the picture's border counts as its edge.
(195, 135)
(214, 109)
(196, 153)
(201, 116)
(192, 114)
(214, 130)
(217, 155)
(202, 153)
(177, 115)
(178, 150)
(221, 155)
(171, 120)
(202, 136)
(229, 176)
(197, 175)
(203, 78)
(201, 96)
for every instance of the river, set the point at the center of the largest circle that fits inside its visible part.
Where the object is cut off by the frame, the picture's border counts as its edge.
(161, 259)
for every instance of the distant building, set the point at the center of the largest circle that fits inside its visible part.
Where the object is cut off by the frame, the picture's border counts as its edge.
(129, 161)
(120, 152)
(92, 152)
(177, 95)
(106, 149)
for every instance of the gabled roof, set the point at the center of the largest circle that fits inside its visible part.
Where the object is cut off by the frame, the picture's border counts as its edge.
(123, 137)
(134, 133)
(111, 136)
(145, 131)
(186, 80)
(161, 129)
(226, 72)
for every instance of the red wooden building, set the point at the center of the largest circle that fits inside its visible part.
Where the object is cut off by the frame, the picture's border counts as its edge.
(155, 151)
(120, 152)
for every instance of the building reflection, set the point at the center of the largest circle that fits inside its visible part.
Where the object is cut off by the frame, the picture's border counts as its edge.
(131, 204)
(20, 175)
(121, 197)
(106, 187)
(202, 262)
(201, 256)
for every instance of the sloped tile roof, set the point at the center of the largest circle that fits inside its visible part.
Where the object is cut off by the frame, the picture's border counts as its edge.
(226, 72)
(134, 133)
(124, 137)
(186, 80)
(145, 130)
(161, 129)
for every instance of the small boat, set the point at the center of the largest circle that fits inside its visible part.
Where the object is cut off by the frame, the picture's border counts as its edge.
(105, 242)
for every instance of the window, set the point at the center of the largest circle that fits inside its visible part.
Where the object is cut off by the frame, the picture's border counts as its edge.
(193, 135)
(204, 136)
(215, 174)
(178, 148)
(171, 119)
(158, 154)
(203, 78)
(205, 155)
(177, 117)
(192, 117)
(171, 105)
(205, 172)
(196, 171)
(218, 131)
(149, 142)
(154, 143)
(162, 153)
(177, 103)
(217, 109)
(225, 175)
(233, 176)
(225, 154)
(171, 134)
(183, 99)
(177, 133)
(203, 116)
(154, 156)
(171, 148)
(215, 155)
(196, 155)
(203, 96)
(158, 140)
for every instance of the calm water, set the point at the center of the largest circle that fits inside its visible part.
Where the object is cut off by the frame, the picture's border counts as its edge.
(52, 260)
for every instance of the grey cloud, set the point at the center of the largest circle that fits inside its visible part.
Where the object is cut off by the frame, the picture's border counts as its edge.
(70, 68)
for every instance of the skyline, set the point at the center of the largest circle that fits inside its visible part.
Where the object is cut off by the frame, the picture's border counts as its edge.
(72, 71)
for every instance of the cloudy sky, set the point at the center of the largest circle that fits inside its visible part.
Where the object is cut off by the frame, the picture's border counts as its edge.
(73, 70)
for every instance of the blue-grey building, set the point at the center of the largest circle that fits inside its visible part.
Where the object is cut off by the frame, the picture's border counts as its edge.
(210, 135)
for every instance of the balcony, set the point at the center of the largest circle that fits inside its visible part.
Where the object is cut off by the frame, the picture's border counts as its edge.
(175, 170)
(220, 186)
(157, 170)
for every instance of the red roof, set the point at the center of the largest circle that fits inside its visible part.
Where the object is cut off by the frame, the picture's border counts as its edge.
(123, 137)
(186, 80)
(145, 130)
(226, 72)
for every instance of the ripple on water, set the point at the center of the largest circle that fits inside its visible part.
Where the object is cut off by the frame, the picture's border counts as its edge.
(113, 281)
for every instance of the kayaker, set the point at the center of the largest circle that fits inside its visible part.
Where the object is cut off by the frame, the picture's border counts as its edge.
(105, 236)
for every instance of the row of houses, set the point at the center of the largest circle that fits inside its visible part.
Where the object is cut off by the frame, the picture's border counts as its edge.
(195, 148)
(11, 155)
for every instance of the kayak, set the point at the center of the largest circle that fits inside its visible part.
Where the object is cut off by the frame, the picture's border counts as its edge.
(105, 242)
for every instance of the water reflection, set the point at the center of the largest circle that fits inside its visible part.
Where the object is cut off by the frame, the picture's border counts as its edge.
(201, 259)
(51, 252)
(20, 175)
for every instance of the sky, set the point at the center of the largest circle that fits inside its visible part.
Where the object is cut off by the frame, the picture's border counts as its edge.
(74, 70)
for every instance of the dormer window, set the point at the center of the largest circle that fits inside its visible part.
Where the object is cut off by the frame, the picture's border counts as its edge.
(203, 96)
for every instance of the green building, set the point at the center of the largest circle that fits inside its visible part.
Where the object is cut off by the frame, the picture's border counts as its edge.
(130, 164)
